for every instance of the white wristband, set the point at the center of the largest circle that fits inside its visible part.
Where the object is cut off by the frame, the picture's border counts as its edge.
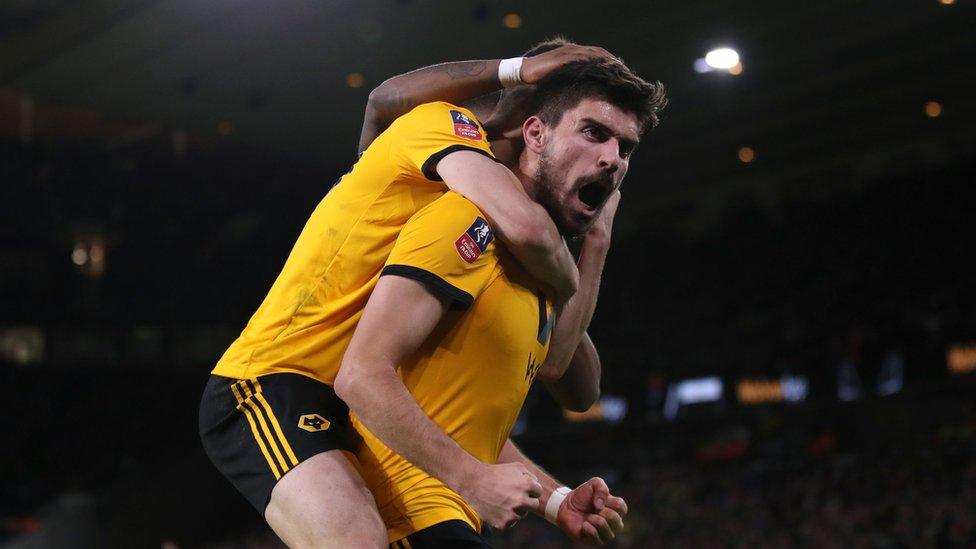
(555, 500)
(510, 71)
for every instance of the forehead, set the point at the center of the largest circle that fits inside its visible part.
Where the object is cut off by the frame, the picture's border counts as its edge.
(622, 123)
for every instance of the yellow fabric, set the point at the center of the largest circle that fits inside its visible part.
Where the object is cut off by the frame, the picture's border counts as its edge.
(472, 375)
(305, 322)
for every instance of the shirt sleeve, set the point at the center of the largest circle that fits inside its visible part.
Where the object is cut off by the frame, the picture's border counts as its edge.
(432, 131)
(449, 248)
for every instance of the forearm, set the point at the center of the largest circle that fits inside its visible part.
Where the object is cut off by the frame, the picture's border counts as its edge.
(574, 316)
(512, 454)
(520, 223)
(579, 387)
(388, 410)
(453, 82)
(539, 248)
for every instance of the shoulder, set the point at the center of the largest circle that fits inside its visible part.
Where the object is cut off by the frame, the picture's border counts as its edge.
(458, 219)
(440, 112)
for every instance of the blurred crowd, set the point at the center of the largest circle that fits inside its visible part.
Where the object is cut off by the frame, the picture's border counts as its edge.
(916, 489)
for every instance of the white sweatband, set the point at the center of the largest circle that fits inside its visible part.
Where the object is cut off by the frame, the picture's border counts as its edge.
(555, 500)
(510, 71)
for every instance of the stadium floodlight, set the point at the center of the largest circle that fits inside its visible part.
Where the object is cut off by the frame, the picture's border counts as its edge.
(722, 58)
(719, 59)
(691, 391)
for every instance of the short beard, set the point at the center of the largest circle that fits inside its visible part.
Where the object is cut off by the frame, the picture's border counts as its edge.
(547, 197)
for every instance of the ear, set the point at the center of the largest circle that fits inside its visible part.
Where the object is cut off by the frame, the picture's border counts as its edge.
(534, 133)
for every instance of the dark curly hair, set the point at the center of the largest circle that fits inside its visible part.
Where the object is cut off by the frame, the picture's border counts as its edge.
(611, 80)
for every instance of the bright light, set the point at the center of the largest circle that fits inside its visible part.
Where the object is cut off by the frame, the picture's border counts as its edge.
(79, 256)
(691, 391)
(735, 70)
(933, 109)
(947, 2)
(961, 359)
(512, 21)
(746, 155)
(355, 80)
(701, 67)
(722, 58)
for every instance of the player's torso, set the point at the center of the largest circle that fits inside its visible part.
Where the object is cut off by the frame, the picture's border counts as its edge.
(471, 378)
(305, 322)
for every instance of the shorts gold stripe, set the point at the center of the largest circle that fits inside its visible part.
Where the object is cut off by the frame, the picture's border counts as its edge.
(254, 430)
(406, 543)
(258, 394)
(251, 398)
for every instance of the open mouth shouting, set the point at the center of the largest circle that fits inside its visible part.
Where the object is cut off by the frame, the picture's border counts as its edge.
(593, 193)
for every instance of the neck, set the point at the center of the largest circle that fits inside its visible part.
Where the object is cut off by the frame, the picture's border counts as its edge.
(525, 169)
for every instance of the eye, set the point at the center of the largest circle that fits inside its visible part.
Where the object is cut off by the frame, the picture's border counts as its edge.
(627, 147)
(594, 133)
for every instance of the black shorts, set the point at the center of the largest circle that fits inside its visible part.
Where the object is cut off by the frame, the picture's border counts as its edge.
(256, 430)
(448, 534)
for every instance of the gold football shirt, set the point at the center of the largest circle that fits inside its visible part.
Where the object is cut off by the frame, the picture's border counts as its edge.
(472, 374)
(307, 319)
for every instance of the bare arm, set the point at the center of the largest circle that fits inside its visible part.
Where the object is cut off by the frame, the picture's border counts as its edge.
(455, 82)
(523, 225)
(570, 348)
(370, 386)
(579, 386)
(589, 513)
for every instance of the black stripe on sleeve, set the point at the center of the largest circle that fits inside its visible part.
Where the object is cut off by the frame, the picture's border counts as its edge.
(459, 298)
(431, 162)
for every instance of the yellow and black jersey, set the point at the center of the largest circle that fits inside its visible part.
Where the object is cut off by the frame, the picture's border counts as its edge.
(472, 374)
(308, 317)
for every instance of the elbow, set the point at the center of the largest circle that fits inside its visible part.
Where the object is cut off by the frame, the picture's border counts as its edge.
(575, 397)
(582, 401)
(346, 386)
(380, 100)
(549, 374)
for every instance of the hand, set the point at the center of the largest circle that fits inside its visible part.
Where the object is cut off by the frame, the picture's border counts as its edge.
(537, 67)
(603, 224)
(502, 494)
(590, 514)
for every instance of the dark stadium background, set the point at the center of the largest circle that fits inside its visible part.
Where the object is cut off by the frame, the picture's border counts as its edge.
(158, 157)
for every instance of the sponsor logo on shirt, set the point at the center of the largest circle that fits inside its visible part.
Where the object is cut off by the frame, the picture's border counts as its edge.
(474, 241)
(465, 127)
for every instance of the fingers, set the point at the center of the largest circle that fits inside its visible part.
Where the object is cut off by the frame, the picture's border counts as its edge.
(603, 528)
(617, 504)
(590, 535)
(600, 492)
(614, 519)
(535, 489)
(528, 505)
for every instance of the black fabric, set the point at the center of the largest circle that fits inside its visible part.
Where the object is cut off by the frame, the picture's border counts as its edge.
(459, 298)
(430, 164)
(447, 535)
(230, 443)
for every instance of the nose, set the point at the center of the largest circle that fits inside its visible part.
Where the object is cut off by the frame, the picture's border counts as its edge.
(609, 160)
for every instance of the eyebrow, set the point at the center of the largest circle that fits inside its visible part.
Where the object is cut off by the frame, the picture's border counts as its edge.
(625, 141)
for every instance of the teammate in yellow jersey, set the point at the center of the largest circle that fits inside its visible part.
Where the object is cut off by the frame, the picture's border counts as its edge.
(302, 327)
(466, 374)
